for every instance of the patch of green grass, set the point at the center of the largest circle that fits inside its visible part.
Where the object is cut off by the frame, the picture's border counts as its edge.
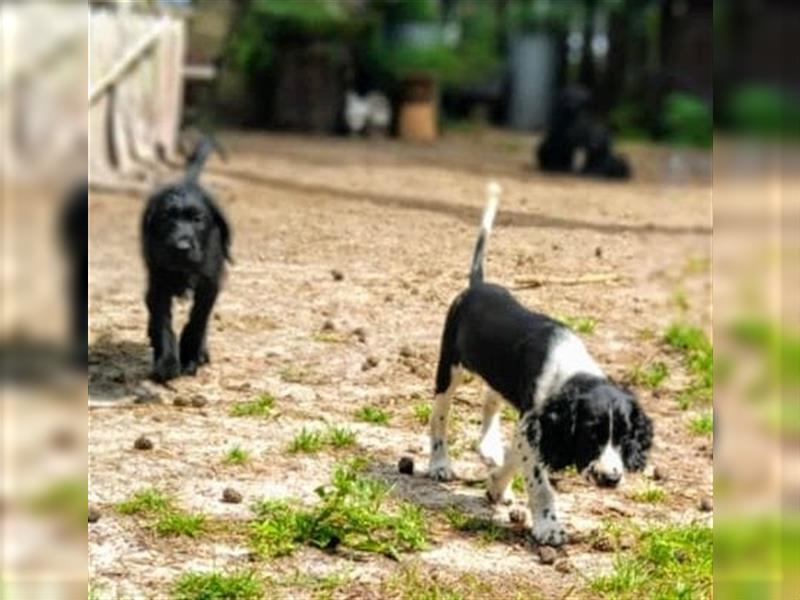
(651, 376)
(306, 441)
(518, 484)
(698, 358)
(236, 456)
(64, 498)
(353, 511)
(259, 407)
(650, 494)
(580, 324)
(176, 523)
(242, 585)
(372, 414)
(487, 529)
(668, 562)
(147, 501)
(422, 411)
(340, 437)
(702, 424)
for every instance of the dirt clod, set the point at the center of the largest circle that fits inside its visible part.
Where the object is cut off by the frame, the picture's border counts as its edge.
(406, 465)
(370, 363)
(328, 326)
(231, 496)
(361, 334)
(659, 474)
(94, 515)
(181, 402)
(406, 352)
(603, 544)
(143, 443)
(563, 566)
(598, 252)
(199, 401)
(547, 554)
(337, 274)
(706, 504)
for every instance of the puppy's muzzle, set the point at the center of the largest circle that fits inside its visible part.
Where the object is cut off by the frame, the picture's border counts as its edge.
(605, 479)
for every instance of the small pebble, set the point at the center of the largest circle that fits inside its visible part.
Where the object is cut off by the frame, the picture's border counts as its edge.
(199, 401)
(563, 566)
(370, 363)
(94, 515)
(337, 274)
(517, 516)
(231, 496)
(328, 326)
(706, 504)
(598, 252)
(406, 352)
(143, 443)
(360, 334)
(659, 475)
(547, 554)
(180, 402)
(406, 465)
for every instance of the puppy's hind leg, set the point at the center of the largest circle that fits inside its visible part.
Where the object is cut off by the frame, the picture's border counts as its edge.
(193, 337)
(498, 485)
(490, 446)
(447, 381)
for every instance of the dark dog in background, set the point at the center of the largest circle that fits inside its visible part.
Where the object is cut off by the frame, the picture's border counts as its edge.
(185, 242)
(570, 412)
(572, 133)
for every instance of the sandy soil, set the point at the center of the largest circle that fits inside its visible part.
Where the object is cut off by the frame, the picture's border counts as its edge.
(398, 222)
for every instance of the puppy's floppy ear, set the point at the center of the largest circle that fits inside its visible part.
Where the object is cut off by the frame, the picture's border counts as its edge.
(557, 431)
(638, 440)
(222, 223)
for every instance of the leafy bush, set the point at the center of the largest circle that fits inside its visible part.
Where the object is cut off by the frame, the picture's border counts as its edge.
(688, 120)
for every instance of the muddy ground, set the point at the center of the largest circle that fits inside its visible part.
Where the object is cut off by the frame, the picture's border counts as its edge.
(397, 222)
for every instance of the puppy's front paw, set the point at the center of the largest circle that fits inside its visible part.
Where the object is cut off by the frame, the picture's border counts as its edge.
(549, 532)
(441, 471)
(166, 368)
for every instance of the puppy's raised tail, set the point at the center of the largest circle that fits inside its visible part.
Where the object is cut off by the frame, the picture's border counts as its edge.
(493, 191)
(197, 159)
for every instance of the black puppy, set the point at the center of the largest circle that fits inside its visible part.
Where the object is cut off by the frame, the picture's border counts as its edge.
(570, 413)
(185, 241)
(573, 132)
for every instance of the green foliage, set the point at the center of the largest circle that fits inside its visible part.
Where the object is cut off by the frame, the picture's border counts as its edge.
(408, 11)
(422, 411)
(146, 501)
(579, 324)
(372, 414)
(651, 376)
(242, 585)
(688, 120)
(702, 424)
(780, 349)
(306, 441)
(236, 456)
(352, 511)
(66, 497)
(175, 523)
(340, 437)
(763, 111)
(258, 407)
(649, 495)
(518, 484)
(533, 15)
(698, 357)
(671, 562)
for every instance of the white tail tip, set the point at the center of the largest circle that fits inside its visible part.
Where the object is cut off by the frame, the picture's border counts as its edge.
(493, 191)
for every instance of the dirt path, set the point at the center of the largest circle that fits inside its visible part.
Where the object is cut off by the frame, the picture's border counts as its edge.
(398, 222)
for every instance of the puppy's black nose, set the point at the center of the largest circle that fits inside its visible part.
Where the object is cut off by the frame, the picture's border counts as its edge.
(608, 479)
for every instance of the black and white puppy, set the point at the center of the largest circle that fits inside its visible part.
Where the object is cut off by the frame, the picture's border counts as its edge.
(185, 242)
(570, 413)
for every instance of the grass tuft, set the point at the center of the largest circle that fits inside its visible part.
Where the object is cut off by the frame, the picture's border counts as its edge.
(580, 324)
(702, 424)
(651, 376)
(236, 456)
(176, 523)
(698, 357)
(147, 501)
(340, 437)
(307, 442)
(259, 407)
(649, 495)
(422, 411)
(352, 511)
(243, 585)
(674, 561)
(372, 414)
